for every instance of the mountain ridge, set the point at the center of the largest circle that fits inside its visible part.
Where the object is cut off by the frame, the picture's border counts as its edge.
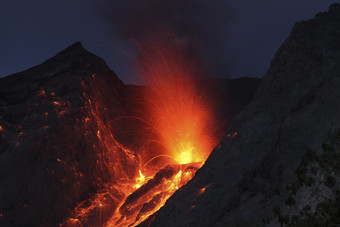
(295, 108)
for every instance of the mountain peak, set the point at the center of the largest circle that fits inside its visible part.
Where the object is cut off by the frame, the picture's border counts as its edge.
(335, 7)
(73, 59)
(77, 46)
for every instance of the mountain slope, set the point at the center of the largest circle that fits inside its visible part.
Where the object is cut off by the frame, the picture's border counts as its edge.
(47, 161)
(57, 146)
(296, 108)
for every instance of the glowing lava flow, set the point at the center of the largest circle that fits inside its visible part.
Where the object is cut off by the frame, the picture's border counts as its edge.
(181, 121)
(181, 118)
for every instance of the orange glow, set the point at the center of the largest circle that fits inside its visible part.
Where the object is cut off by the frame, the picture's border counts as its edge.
(141, 209)
(139, 180)
(41, 93)
(141, 187)
(180, 120)
(1, 128)
(177, 109)
(231, 135)
(56, 103)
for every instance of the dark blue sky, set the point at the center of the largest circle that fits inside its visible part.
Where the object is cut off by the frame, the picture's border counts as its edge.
(32, 31)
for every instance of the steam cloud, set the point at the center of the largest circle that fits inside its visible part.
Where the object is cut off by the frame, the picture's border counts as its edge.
(200, 27)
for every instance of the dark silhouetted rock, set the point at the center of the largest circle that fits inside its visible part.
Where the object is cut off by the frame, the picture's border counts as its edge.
(54, 120)
(296, 108)
(48, 157)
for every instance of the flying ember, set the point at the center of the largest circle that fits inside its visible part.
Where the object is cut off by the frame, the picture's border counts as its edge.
(180, 122)
(177, 109)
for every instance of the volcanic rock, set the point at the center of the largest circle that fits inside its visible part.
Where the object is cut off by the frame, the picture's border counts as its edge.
(54, 153)
(47, 158)
(296, 108)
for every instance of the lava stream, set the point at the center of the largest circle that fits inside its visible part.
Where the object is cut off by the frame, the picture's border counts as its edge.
(144, 179)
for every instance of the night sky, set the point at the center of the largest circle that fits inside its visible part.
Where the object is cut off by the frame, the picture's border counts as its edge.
(32, 31)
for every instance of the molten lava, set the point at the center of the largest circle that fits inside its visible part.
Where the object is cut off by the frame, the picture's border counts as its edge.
(143, 180)
(175, 106)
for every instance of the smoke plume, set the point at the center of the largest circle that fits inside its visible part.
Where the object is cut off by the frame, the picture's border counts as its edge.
(198, 27)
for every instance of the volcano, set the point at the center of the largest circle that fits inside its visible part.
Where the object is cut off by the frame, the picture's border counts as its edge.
(71, 143)
(80, 148)
(248, 178)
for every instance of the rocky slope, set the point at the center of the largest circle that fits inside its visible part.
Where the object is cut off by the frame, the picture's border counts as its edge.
(53, 123)
(296, 108)
(47, 164)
